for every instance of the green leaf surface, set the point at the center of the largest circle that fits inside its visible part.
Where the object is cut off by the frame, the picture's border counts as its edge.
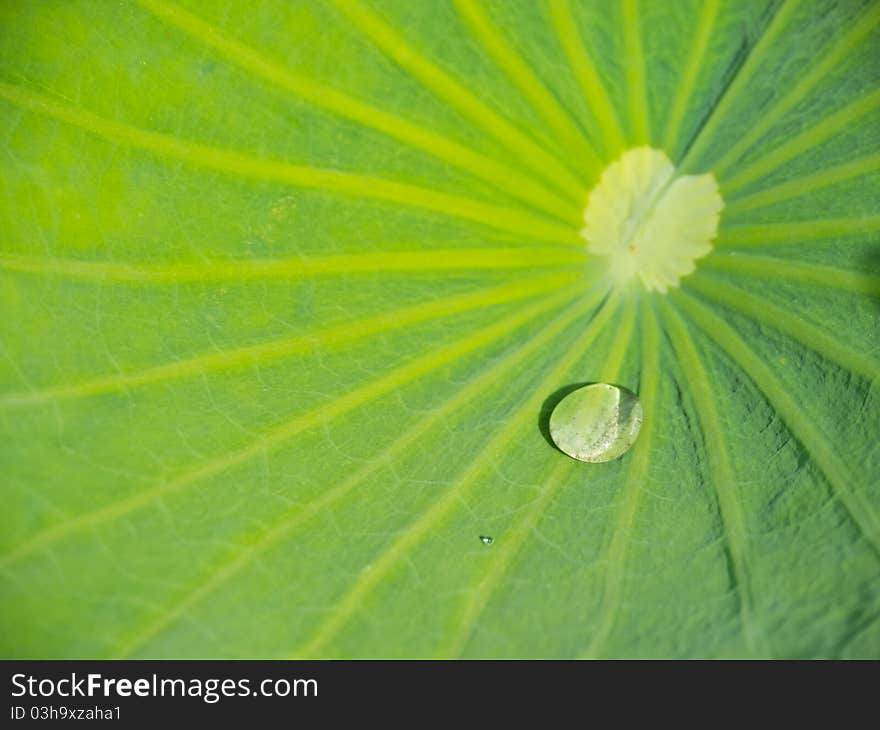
(288, 287)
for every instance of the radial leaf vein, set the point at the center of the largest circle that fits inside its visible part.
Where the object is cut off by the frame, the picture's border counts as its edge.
(504, 177)
(267, 538)
(454, 93)
(428, 260)
(517, 536)
(637, 92)
(761, 310)
(764, 234)
(514, 540)
(509, 219)
(756, 55)
(519, 72)
(265, 352)
(767, 267)
(806, 184)
(839, 51)
(625, 513)
(585, 72)
(280, 435)
(696, 62)
(817, 444)
(434, 515)
(720, 475)
(801, 143)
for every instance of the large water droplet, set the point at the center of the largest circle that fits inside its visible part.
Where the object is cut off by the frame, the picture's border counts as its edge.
(598, 422)
(486, 540)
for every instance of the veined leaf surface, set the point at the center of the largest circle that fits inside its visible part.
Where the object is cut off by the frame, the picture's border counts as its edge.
(288, 287)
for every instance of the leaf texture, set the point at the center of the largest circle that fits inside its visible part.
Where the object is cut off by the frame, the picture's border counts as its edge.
(288, 289)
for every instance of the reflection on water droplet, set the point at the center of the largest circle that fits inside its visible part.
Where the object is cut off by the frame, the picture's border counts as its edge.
(486, 540)
(598, 422)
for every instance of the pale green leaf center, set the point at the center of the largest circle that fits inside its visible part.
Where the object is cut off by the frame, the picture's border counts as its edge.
(649, 223)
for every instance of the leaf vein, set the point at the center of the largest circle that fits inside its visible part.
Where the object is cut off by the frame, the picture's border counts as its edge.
(266, 538)
(523, 187)
(516, 537)
(585, 72)
(814, 441)
(618, 546)
(440, 508)
(443, 85)
(261, 353)
(720, 474)
(508, 219)
(518, 71)
(761, 310)
(281, 434)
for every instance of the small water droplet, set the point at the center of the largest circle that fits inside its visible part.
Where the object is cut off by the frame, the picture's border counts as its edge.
(598, 422)
(486, 540)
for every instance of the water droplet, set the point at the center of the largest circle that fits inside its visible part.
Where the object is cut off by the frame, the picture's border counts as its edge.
(486, 540)
(598, 422)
